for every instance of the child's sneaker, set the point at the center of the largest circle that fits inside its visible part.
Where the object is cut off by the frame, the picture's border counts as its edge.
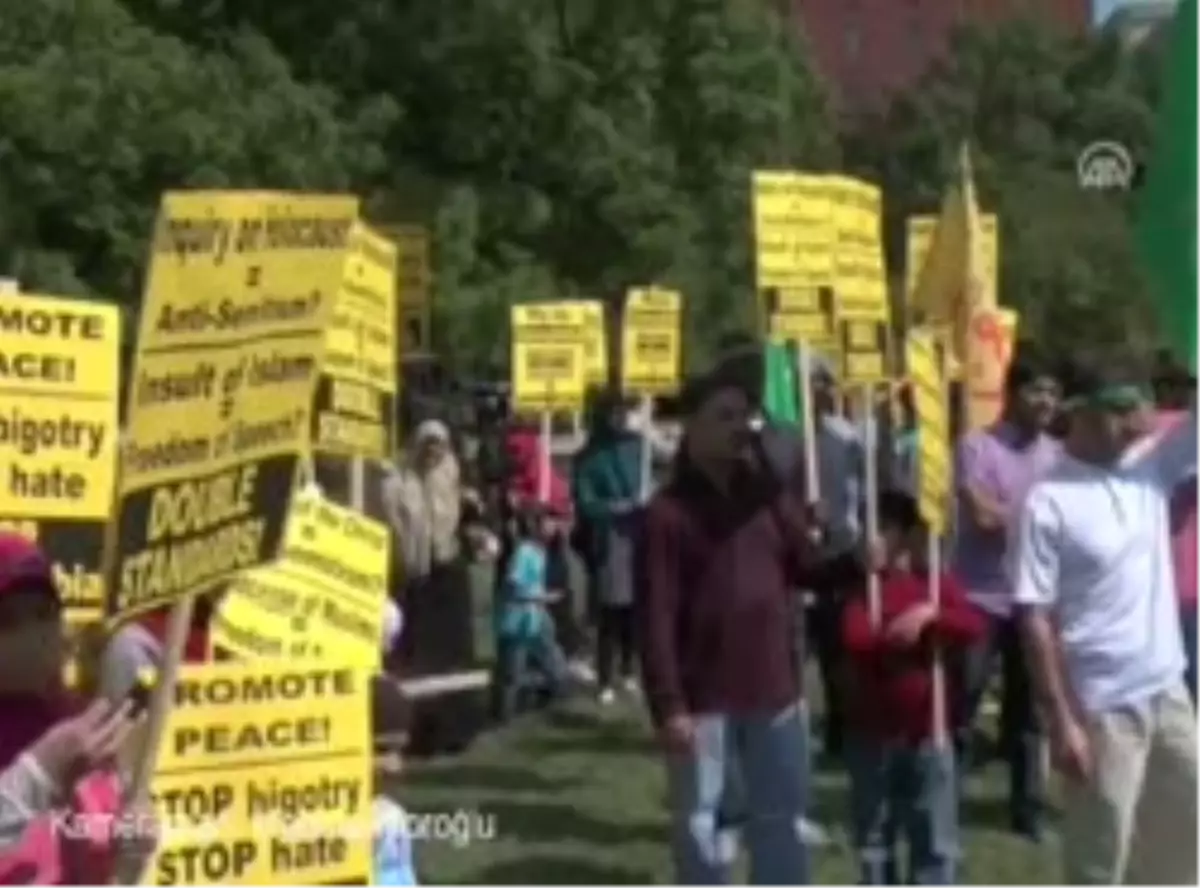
(392, 858)
(632, 686)
(606, 697)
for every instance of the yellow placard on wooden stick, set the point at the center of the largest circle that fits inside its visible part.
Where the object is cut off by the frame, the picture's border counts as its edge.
(803, 315)
(864, 352)
(549, 365)
(925, 359)
(356, 394)
(651, 342)
(240, 289)
(322, 598)
(265, 776)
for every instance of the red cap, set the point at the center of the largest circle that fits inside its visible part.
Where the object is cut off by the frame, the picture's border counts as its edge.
(24, 564)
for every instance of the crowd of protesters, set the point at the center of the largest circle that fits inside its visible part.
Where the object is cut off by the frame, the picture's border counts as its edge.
(1070, 576)
(1071, 566)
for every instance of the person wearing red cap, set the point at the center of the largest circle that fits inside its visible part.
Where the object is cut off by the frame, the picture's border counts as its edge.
(56, 757)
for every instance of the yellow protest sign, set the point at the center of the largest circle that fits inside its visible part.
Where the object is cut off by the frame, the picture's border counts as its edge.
(860, 282)
(920, 239)
(793, 235)
(651, 341)
(802, 315)
(58, 407)
(239, 293)
(924, 358)
(58, 435)
(356, 396)
(413, 286)
(595, 343)
(324, 596)
(548, 364)
(991, 340)
(864, 352)
(264, 776)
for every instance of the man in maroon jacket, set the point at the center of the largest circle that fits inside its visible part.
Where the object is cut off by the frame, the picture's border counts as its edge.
(723, 548)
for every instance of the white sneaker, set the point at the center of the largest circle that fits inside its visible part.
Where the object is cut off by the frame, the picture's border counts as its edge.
(582, 672)
(728, 846)
(812, 833)
(632, 686)
(607, 697)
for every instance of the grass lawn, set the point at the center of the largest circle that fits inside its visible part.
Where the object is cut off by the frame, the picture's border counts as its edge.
(577, 797)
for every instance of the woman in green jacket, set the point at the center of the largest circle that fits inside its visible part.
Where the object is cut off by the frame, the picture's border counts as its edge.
(607, 490)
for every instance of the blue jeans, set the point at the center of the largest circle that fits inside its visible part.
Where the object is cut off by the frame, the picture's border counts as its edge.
(912, 792)
(529, 665)
(1187, 621)
(762, 758)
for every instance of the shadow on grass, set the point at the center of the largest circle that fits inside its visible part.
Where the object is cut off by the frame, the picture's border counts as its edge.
(551, 821)
(589, 733)
(481, 779)
(561, 869)
(988, 812)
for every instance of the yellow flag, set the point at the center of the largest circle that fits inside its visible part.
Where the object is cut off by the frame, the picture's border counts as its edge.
(952, 281)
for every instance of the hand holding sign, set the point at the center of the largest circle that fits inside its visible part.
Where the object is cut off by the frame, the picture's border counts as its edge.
(84, 743)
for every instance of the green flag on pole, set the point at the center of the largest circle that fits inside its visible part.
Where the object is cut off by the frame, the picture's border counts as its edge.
(1167, 209)
(781, 396)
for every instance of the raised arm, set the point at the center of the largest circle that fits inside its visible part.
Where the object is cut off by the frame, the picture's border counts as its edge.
(1172, 457)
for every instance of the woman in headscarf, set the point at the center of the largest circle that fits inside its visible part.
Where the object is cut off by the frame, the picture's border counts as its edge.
(422, 499)
(57, 760)
(607, 486)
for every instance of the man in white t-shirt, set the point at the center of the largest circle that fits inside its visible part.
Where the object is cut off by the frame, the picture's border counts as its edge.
(1093, 582)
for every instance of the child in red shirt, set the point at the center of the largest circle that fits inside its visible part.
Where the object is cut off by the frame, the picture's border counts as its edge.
(902, 778)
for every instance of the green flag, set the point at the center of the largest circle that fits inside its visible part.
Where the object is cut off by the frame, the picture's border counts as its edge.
(1167, 208)
(781, 396)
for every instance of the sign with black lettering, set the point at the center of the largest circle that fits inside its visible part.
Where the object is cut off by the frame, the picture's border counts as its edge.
(239, 294)
(651, 341)
(58, 407)
(864, 352)
(264, 777)
(356, 397)
(322, 598)
(802, 314)
(58, 438)
(549, 356)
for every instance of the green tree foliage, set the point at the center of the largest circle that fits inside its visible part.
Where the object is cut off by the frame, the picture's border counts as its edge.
(101, 114)
(557, 148)
(1030, 100)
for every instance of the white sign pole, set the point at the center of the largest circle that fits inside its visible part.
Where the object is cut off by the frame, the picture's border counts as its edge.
(808, 420)
(545, 457)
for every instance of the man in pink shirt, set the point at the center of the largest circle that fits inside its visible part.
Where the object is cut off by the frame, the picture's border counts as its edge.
(1176, 389)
